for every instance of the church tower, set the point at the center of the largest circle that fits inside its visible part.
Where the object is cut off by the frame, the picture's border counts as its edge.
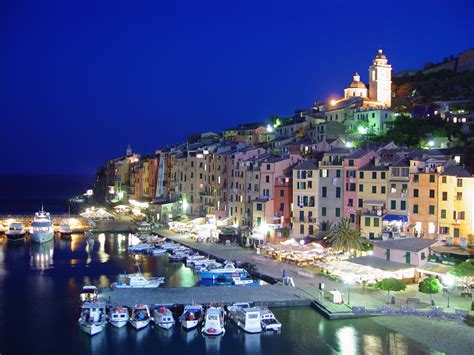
(380, 80)
(129, 151)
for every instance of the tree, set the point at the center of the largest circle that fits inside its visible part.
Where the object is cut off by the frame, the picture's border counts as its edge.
(430, 286)
(391, 284)
(465, 270)
(345, 238)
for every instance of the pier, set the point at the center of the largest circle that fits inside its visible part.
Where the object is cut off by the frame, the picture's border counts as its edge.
(270, 295)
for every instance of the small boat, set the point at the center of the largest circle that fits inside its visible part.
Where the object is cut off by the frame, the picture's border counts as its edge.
(158, 252)
(246, 317)
(42, 228)
(238, 281)
(269, 321)
(140, 248)
(176, 257)
(92, 317)
(190, 260)
(89, 294)
(144, 227)
(118, 316)
(140, 316)
(214, 321)
(192, 316)
(65, 228)
(163, 318)
(228, 271)
(15, 231)
(137, 280)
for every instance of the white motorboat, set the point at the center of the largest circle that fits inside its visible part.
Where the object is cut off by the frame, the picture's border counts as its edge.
(163, 318)
(269, 321)
(225, 273)
(118, 316)
(177, 257)
(158, 252)
(246, 317)
(170, 246)
(137, 280)
(144, 227)
(89, 293)
(238, 281)
(92, 317)
(42, 229)
(140, 248)
(15, 231)
(194, 258)
(140, 317)
(192, 316)
(214, 321)
(65, 228)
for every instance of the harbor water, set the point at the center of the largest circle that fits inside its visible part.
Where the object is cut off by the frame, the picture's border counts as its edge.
(39, 309)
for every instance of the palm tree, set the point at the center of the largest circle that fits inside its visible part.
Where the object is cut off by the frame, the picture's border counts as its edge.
(344, 238)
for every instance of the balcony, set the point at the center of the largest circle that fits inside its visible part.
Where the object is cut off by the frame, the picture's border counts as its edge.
(331, 163)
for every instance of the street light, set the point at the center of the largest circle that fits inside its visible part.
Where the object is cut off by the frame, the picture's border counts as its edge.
(448, 280)
(348, 279)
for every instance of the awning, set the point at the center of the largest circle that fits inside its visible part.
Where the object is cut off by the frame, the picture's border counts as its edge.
(394, 217)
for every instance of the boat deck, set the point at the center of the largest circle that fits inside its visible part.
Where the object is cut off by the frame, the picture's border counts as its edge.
(270, 295)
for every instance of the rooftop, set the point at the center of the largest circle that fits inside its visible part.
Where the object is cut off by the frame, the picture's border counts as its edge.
(408, 244)
(309, 164)
(381, 264)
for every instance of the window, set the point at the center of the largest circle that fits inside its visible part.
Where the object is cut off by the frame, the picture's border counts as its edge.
(310, 229)
(459, 196)
(432, 178)
(456, 232)
(338, 212)
(416, 178)
(415, 192)
(423, 255)
(382, 190)
(393, 204)
(393, 188)
(324, 191)
(376, 222)
(361, 174)
(408, 257)
(443, 230)
(387, 253)
(443, 214)
(432, 193)
(415, 208)
(323, 211)
(259, 221)
(382, 175)
(282, 207)
(374, 189)
(350, 202)
(367, 221)
(324, 172)
(310, 184)
(395, 172)
(374, 175)
(403, 205)
(432, 209)
(267, 178)
(361, 188)
(360, 203)
(301, 216)
(301, 229)
(338, 192)
(459, 183)
(445, 196)
(268, 166)
(351, 162)
(338, 173)
(443, 179)
(282, 193)
(259, 207)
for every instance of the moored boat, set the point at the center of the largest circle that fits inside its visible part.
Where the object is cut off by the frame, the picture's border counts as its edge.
(192, 316)
(137, 280)
(227, 272)
(65, 229)
(269, 321)
(89, 293)
(92, 317)
(42, 229)
(246, 317)
(163, 317)
(118, 316)
(15, 231)
(140, 317)
(214, 321)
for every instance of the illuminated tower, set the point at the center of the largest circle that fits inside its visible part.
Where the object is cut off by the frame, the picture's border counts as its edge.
(129, 151)
(380, 80)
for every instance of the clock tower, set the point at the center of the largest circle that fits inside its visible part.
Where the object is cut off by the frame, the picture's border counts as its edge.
(380, 80)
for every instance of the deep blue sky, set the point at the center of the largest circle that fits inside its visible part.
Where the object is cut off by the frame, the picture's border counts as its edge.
(79, 80)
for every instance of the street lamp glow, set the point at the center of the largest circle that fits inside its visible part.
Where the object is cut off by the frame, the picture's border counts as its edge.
(431, 143)
(362, 130)
(333, 102)
(269, 129)
(349, 144)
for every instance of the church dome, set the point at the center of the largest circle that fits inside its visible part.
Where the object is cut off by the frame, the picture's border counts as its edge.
(356, 83)
(380, 55)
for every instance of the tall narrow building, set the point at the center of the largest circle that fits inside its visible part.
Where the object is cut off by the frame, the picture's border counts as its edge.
(380, 80)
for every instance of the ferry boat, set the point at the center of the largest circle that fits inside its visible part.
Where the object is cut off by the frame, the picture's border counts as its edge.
(269, 321)
(214, 321)
(118, 316)
(89, 293)
(163, 318)
(140, 316)
(137, 280)
(42, 229)
(227, 272)
(15, 231)
(246, 317)
(192, 316)
(92, 319)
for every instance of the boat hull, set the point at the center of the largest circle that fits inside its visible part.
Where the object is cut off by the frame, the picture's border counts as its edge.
(42, 237)
(206, 275)
(118, 323)
(213, 332)
(139, 324)
(190, 324)
(14, 237)
(93, 329)
(165, 325)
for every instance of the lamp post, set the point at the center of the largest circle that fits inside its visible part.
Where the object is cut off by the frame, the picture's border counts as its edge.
(348, 279)
(449, 282)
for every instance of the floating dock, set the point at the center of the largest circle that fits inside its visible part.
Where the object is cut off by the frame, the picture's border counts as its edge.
(269, 295)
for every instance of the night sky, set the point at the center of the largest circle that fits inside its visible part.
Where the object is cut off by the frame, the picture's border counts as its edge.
(80, 80)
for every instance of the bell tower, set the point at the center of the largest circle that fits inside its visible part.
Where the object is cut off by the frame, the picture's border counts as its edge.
(380, 80)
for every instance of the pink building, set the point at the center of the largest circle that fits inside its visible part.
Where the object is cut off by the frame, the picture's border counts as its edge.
(408, 251)
(352, 164)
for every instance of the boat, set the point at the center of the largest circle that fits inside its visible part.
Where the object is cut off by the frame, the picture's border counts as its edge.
(144, 227)
(163, 317)
(65, 228)
(192, 316)
(42, 229)
(140, 248)
(227, 272)
(140, 317)
(214, 321)
(118, 316)
(238, 281)
(15, 231)
(246, 317)
(137, 280)
(176, 257)
(89, 294)
(92, 319)
(194, 258)
(158, 252)
(269, 321)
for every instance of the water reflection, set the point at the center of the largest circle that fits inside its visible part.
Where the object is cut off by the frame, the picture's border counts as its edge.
(347, 339)
(41, 255)
(190, 336)
(213, 344)
(252, 343)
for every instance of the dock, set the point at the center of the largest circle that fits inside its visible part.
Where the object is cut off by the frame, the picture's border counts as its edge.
(269, 295)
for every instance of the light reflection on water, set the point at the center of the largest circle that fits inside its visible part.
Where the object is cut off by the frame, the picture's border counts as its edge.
(41, 283)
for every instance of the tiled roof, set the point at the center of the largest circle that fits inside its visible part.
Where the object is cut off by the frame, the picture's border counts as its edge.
(456, 170)
(377, 263)
(309, 164)
(408, 244)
